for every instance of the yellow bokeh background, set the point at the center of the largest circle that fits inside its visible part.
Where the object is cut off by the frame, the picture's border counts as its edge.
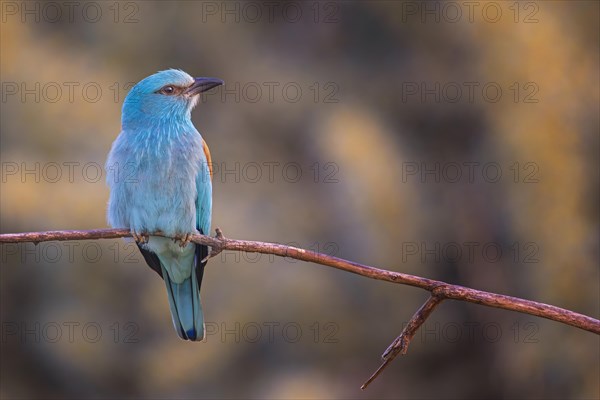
(356, 198)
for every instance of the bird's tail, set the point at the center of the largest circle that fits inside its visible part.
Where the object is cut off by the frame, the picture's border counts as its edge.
(186, 309)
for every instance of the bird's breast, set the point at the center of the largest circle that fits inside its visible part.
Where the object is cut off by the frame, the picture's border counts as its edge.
(160, 190)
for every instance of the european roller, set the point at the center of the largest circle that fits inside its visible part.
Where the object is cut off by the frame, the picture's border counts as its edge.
(159, 173)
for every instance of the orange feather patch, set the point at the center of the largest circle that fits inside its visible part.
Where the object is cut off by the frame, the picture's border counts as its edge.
(208, 157)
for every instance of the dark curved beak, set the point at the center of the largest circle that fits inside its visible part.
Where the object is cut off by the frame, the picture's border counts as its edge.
(202, 85)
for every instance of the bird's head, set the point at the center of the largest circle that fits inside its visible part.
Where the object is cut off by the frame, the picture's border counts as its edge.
(170, 94)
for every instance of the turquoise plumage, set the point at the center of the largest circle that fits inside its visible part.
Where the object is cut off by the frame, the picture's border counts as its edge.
(159, 175)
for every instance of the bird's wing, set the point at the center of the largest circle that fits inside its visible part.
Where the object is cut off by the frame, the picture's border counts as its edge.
(203, 208)
(151, 259)
(206, 151)
(204, 189)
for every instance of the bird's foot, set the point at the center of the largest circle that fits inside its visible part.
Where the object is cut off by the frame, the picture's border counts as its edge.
(215, 249)
(183, 239)
(140, 237)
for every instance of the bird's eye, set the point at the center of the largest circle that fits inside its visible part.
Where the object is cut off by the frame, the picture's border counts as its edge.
(168, 90)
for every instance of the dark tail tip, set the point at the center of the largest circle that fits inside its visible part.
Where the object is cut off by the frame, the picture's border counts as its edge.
(191, 334)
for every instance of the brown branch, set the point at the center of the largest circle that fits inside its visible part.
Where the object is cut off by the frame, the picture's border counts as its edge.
(439, 290)
(400, 344)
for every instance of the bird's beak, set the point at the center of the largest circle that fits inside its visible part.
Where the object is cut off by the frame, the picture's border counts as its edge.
(202, 85)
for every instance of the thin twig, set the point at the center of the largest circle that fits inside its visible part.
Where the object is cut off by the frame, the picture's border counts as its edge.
(439, 290)
(400, 344)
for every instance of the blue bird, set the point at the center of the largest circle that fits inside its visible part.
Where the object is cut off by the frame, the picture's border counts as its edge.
(159, 173)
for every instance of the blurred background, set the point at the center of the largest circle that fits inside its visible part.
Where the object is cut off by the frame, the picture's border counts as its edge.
(456, 141)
